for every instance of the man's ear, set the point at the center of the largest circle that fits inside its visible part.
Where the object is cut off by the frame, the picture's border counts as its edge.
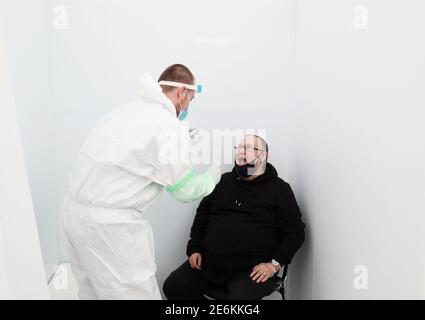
(187, 94)
(178, 92)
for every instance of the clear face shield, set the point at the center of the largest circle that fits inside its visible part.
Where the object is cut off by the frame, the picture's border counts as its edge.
(197, 88)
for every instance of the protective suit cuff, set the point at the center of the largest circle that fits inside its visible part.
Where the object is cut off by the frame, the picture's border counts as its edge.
(182, 182)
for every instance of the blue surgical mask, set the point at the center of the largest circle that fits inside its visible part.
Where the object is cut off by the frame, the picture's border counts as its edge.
(183, 114)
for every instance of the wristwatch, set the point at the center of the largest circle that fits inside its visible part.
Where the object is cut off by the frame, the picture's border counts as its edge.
(275, 264)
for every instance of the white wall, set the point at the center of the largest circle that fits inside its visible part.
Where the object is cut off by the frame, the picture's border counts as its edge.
(26, 31)
(342, 108)
(357, 156)
(21, 266)
(239, 50)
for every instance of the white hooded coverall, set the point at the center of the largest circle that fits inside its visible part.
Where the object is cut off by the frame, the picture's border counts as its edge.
(129, 157)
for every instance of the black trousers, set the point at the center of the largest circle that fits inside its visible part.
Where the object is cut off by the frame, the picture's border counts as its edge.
(186, 283)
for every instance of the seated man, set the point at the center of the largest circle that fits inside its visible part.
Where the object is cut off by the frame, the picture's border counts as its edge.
(243, 232)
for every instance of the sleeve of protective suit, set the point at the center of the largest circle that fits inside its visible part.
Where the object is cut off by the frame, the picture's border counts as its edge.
(192, 187)
(168, 153)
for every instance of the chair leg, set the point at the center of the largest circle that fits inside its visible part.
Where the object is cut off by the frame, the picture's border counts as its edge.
(282, 293)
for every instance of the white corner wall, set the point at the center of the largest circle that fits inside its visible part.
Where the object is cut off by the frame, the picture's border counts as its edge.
(357, 155)
(21, 266)
(337, 84)
(243, 62)
(26, 31)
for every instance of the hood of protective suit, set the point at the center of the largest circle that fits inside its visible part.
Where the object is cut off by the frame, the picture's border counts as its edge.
(150, 89)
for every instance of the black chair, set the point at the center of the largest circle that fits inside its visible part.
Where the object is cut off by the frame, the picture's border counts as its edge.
(219, 293)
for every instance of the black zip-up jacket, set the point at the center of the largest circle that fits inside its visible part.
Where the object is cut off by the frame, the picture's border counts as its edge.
(244, 223)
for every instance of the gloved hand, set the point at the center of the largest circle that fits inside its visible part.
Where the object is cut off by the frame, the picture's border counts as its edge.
(195, 135)
(215, 172)
(195, 186)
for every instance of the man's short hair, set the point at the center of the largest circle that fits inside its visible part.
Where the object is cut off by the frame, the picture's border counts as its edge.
(176, 73)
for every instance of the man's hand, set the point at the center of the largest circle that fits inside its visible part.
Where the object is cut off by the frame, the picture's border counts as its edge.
(262, 272)
(195, 260)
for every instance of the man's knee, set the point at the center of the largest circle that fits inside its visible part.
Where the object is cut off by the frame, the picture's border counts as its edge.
(184, 283)
(239, 294)
(172, 286)
(178, 282)
(247, 289)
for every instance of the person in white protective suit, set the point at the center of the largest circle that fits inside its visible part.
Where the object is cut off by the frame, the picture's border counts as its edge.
(130, 156)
